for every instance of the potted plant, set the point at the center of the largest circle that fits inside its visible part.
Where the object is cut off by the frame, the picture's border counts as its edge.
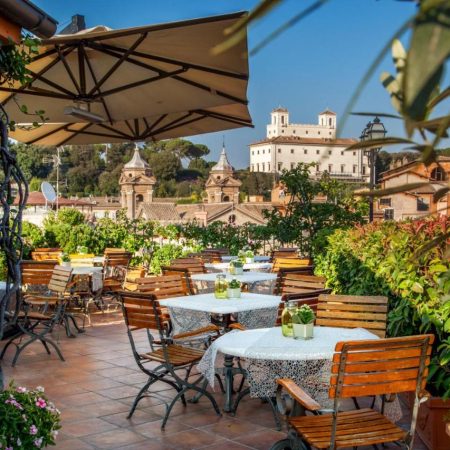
(303, 322)
(82, 250)
(249, 257)
(234, 289)
(65, 259)
(29, 419)
(236, 267)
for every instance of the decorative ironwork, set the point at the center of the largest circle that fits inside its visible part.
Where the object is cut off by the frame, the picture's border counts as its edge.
(12, 180)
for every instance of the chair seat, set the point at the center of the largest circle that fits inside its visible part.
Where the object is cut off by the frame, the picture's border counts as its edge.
(35, 315)
(354, 428)
(178, 355)
(111, 283)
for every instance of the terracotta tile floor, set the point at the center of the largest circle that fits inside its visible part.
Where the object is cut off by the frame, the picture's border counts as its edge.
(96, 385)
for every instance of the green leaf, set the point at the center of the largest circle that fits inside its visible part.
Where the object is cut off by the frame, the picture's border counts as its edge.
(428, 51)
(438, 268)
(416, 287)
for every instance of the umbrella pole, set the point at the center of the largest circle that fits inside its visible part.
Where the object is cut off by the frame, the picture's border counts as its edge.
(10, 228)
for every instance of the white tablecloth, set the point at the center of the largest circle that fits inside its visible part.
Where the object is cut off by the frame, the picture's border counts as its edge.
(246, 277)
(268, 356)
(86, 270)
(224, 266)
(194, 311)
(258, 258)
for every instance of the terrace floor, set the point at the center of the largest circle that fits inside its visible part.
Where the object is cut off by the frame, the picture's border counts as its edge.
(96, 385)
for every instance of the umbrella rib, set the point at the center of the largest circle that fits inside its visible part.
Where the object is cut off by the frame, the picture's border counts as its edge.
(176, 123)
(28, 84)
(129, 127)
(47, 134)
(225, 117)
(91, 70)
(225, 73)
(51, 83)
(117, 64)
(96, 133)
(156, 122)
(204, 87)
(124, 135)
(75, 132)
(138, 83)
(136, 127)
(68, 69)
(81, 69)
(40, 92)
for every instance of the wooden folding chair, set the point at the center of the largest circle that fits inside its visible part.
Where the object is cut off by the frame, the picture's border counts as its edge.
(284, 263)
(143, 312)
(353, 311)
(360, 368)
(41, 314)
(185, 267)
(292, 282)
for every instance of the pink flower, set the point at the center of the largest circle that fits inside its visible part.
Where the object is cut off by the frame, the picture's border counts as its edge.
(41, 403)
(21, 389)
(40, 389)
(33, 430)
(38, 442)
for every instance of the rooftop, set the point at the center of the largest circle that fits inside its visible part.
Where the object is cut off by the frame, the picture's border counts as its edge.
(306, 141)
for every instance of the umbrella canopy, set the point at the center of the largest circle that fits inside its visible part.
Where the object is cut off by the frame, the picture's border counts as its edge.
(155, 128)
(143, 72)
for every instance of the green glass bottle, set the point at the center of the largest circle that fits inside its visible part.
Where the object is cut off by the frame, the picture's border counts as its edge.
(220, 286)
(286, 318)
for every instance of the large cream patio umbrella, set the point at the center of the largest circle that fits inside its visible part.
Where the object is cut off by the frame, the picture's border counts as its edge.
(163, 126)
(110, 76)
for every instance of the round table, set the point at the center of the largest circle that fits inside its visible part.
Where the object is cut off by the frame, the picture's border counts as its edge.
(82, 270)
(257, 258)
(224, 266)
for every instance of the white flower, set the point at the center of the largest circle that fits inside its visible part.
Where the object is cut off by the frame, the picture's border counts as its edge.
(40, 389)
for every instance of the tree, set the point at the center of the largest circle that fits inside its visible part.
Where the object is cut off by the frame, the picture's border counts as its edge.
(256, 183)
(304, 216)
(32, 159)
(165, 165)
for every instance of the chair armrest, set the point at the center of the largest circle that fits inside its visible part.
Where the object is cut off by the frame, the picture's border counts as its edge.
(197, 332)
(41, 300)
(424, 395)
(237, 326)
(298, 394)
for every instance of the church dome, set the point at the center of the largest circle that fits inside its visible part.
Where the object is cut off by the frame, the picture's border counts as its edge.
(136, 161)
(223, 165)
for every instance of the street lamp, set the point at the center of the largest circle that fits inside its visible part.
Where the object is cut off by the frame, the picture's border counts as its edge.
(374, 130)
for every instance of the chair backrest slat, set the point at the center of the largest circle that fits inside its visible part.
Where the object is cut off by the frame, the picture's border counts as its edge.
(142, 310)
(352, 311)
(163, 286)
(60, 279)
(36, 272)
(282, 262)
(375, 367)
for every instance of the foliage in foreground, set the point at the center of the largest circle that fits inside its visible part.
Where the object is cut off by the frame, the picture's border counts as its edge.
(29, 419)
(396, 259)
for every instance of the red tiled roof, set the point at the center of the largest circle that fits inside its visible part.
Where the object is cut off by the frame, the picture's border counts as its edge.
(306, 141)
(37, 199)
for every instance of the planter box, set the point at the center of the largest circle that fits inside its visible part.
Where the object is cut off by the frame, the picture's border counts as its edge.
(303, 331)
(234, 293)
(431, 426)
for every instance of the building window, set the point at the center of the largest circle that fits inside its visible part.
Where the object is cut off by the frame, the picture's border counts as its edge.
(306, 132)
(317, 152)
(342, 152)
(293, 131)
(280, 166)
(253, 153)
(329, 152)
(318, 132)
(330, 168)
(292, 151)
(363, 170)
(282, 120)
(253, 168)
(226, 198)
(354, 153)
(330, 122)
(305, 151)
(264, 152)
(279, 150)
(268, 167)
(258, 152)
(268, 151)
(342, 168)
(262, 167)
(282, 131)
(422, 204)
(388, 214)
(386, 201)
(292, 166)
(257, 167)
(139, 198)
(329, 133)
(437, 174)
(232, 218)
(355, 168)
(317, 168)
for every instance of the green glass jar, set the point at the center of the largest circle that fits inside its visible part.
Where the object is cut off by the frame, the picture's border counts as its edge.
(286, 318)
(220, 286)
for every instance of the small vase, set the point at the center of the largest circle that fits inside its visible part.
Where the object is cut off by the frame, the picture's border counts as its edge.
(238, 271)
(303, 331)
(65, 263)
(234, 293)
(249, 260)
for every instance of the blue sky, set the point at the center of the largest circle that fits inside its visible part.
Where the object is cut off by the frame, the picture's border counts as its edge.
(314, 65)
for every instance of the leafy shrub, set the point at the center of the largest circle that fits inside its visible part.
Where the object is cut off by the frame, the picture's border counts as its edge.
(29, 420)
(32, 237)
(396, 260)
(162, 256)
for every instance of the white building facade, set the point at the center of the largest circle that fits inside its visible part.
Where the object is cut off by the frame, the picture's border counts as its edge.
(288, 144)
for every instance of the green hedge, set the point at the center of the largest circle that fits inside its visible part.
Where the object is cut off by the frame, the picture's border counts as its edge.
(409, 263)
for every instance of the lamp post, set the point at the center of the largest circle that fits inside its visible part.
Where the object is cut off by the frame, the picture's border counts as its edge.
(374, 130)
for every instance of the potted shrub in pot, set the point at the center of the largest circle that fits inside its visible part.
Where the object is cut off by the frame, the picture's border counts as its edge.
(236, 267)
(65, 259)
(234, 289)
(28, 419)
(303, 322)
(249, 257)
